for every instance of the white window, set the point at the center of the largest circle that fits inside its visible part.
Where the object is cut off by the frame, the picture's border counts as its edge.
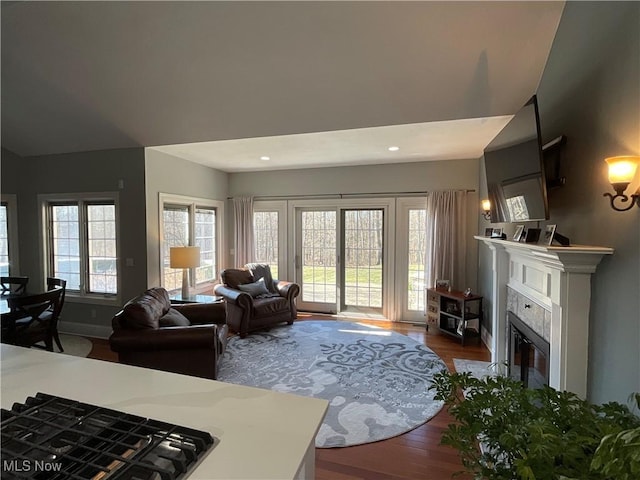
(81, 242)
(417, 247)
(8, 236)
(410, 260)
(4, 240)
(270, 236)
(265, 238)
(188, 221)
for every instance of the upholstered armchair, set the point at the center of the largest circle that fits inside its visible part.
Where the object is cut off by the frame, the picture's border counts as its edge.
(255, 300)
(151, 332)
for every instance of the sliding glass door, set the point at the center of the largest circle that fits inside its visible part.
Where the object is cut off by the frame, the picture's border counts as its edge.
(339, 259)
(362, 251)
(316, 259)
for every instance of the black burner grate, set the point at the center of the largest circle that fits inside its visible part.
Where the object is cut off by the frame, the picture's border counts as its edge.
(55, 438)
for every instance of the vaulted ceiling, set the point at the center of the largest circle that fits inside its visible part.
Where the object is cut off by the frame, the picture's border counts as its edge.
(443, 77)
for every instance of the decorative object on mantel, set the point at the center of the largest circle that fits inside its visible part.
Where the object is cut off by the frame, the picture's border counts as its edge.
(551, 235)
(549, 231)
(532, 235)
(497, 233)
(486, 209)
(488, 232)
(519, 232)
(377, 381)
(622, 171)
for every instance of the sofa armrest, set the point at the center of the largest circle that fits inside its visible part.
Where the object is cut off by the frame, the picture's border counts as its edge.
(289, 290)
(203, 313)
(236, 297)
(168, 338)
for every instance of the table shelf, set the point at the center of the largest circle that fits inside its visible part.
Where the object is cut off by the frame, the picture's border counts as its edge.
(452, 312)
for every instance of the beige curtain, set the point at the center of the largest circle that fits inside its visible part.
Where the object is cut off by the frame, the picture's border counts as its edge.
(446, 238)
(243, 220)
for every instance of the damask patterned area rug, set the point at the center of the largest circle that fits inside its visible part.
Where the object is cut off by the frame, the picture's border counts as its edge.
(377, 381)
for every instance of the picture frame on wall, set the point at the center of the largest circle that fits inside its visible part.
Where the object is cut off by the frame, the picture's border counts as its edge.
(547, 238)
(517, 236)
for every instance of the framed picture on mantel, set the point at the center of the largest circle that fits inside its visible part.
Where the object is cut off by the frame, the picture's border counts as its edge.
(549, 231)
(518, 235)
(532, 235)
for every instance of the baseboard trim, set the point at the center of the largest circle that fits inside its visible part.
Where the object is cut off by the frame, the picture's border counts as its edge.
(95, 331)
(486, 338)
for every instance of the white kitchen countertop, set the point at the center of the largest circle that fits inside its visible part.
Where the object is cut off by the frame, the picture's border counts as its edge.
(262, 434)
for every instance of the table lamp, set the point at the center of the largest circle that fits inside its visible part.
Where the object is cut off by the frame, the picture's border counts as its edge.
(185, 258)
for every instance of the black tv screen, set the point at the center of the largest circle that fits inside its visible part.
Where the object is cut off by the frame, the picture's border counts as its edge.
(514, 169)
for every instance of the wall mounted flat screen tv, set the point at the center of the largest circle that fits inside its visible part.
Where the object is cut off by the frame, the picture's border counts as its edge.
(514, 168)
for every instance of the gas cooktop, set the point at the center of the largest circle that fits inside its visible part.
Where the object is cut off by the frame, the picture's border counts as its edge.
(54, 438)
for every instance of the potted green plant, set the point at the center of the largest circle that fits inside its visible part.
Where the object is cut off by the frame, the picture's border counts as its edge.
(506, 432)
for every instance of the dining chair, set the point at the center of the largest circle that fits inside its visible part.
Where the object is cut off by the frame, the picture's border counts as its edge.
(52, 283)
(13, 285)
(32, 320)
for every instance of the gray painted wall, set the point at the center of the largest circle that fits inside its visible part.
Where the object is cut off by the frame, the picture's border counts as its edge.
(73, 173)
(169, 174)
(590, 92)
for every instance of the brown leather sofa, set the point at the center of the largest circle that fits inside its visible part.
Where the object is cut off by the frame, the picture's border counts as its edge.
(251, 306)
(151, 332)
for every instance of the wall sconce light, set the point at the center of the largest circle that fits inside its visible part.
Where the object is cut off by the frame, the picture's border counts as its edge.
(622, 171)
(486, 209)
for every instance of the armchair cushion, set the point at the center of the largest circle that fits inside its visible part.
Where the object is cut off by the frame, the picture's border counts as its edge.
(173, 318)
(233, 277)
(254, 289)
(266, 307)
(145, 310)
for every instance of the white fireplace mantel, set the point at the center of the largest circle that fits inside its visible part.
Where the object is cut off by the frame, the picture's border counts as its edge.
(559, 280)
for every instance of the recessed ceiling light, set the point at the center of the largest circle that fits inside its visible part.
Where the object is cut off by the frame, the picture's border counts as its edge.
(264, 157)
(393, 149)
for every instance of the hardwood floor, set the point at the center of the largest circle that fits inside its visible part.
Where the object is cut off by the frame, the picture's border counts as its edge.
(413, 456)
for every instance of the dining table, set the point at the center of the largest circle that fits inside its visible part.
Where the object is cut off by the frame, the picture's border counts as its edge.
(8, 319)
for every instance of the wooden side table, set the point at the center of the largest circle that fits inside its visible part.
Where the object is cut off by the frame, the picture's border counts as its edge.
(453, 311)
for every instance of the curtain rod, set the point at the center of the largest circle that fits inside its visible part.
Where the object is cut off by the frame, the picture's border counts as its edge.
(339, 195)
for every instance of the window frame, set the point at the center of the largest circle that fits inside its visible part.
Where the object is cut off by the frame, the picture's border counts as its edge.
(404, 205)
(192, 204)
(279, 206)
(80, 199)
(11, 202)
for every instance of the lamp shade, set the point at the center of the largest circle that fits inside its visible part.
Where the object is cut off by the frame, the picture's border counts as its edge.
(622, 169)
(184, 257)
(486, 205)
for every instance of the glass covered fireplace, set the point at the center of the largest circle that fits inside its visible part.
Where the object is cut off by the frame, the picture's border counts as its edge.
(528, 354)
